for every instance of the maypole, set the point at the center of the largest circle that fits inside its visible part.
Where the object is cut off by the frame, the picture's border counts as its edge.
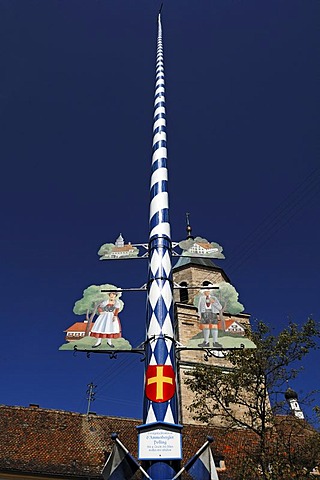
(160, 442)
(163, 453)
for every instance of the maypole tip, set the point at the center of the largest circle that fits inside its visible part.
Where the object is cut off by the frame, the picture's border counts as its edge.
(114, 436)
(160, 9)
(210, 439)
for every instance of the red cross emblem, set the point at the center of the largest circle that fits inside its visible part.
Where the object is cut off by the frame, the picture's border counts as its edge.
(160, 383)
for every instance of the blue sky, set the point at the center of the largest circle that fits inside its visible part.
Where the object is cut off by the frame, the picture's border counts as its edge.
(76, 104)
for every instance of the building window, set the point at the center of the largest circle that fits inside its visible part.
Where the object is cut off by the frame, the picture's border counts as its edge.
(206, 283)
(184, 296)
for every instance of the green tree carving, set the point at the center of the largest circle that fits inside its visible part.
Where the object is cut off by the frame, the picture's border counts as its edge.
(105, 249)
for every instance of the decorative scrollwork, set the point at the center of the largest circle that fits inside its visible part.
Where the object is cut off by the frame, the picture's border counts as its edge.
(210, 352)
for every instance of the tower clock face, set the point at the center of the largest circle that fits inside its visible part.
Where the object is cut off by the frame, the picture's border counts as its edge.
(296, 409)
(295, 405)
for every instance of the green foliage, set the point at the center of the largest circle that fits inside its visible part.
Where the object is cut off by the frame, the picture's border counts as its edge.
(239, 394)
(228, 297)
(87, 342)
(92, 296)
(106, 249)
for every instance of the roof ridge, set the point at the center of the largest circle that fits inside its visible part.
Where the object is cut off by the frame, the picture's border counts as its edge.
(64, 412)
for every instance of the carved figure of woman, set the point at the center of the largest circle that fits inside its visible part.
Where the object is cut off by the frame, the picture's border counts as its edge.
(107, 324)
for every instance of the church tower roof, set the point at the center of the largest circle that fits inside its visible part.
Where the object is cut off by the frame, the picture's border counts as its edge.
(194, 261)
(185, 263)
(290, 394)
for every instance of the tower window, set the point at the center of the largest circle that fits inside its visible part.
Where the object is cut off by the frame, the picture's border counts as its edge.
(206, 283)
(184, 296)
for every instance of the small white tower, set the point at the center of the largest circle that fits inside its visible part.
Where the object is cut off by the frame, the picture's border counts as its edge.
(119, 241)
(292, 399)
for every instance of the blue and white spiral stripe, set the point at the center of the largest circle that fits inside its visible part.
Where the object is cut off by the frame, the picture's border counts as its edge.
(160, 346)
(159, 201)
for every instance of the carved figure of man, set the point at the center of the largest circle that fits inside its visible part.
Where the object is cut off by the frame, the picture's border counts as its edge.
(208, 308)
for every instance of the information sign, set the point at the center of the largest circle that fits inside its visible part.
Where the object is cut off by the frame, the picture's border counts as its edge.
(160, 443)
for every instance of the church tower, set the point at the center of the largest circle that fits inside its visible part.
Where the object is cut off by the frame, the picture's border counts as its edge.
(193, 274)
(292, 398)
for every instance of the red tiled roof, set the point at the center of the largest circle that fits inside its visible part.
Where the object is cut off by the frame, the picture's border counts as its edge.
(54, 442)
(78, 327)
(207, 246)
(230, 321)
(125, 248)
(35, 441)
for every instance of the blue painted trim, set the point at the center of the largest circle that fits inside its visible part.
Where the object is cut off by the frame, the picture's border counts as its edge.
(161, 143)
(159, 187)
(159, 217)
(160, 163)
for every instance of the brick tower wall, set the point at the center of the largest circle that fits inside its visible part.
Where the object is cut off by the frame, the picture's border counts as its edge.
(187, 326)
